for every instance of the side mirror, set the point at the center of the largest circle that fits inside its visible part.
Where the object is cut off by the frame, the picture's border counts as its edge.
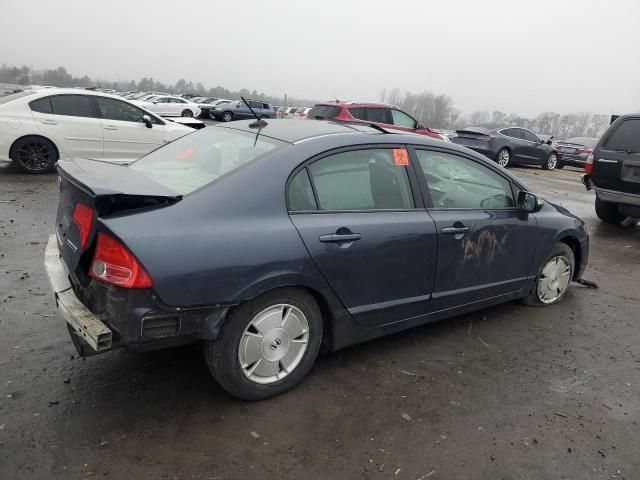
(549, 142)
(529, 202)
(420, 127)
(147, 121)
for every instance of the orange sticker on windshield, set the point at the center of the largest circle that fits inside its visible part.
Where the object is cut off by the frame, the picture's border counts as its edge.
(400, 157)
(185, 154)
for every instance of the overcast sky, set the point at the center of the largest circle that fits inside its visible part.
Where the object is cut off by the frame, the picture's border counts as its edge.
(514, 56)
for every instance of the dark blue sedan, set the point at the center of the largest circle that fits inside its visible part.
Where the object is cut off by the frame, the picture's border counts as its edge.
(271, 243)
(509, 145)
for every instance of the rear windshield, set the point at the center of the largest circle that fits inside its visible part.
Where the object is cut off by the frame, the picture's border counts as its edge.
(324, 111)
(197, 159)
(15, 96)
(626, 137)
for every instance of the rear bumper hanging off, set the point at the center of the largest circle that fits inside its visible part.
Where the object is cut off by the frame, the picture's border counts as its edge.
(84, 323)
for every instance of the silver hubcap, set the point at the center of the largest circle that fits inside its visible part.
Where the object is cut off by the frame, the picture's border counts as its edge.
(273, 344)
(554, 279)
(503, 158)
(553, 160)
(227, 117)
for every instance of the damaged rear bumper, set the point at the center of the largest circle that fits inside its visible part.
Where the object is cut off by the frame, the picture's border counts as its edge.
(81, 321)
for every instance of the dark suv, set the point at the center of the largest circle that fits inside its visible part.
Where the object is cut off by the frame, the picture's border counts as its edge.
(613, 171)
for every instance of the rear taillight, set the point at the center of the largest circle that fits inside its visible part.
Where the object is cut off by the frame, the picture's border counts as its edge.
(580, 151)
(83, 216)
(588, 166)
(487, 138)
(114, 264)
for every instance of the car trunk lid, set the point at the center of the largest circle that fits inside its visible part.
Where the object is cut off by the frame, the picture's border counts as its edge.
(616, 163)
(104, 189)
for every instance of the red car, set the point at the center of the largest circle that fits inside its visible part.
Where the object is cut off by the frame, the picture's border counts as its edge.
(386, 116)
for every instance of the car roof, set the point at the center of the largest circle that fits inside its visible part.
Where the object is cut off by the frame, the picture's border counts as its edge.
(295, 132)
(71, 91)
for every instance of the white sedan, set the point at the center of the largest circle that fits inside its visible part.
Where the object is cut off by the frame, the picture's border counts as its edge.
(169, 106)
(39, 127)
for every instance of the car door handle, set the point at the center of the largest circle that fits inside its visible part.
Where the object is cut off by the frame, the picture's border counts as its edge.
(49, 122)
(340, 237)
(454, 230)
(110, 127)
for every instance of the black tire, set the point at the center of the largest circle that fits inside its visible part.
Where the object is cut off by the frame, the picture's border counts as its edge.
(551, 162)
(33, 154)
(560, 165)
(608, 211)
(186, 113)
(222, 354)
(503, 157)
(559, 250)
(227, 116)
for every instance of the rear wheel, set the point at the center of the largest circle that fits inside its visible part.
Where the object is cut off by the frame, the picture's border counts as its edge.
(608, 211)
(552, 162)
(187, 113)
(227, 116)
(267, 345)
(553, 278)
(503, 157)
(34, 154)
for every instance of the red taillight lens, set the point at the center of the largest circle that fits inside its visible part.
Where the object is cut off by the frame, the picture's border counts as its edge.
(83, 217)
(588, 167)
(487, 138)
(115, 265)
(580, 151)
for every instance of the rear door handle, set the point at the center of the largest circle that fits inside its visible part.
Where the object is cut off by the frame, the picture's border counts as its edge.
(110, 127)
(338, 237)
(49, 122)
(454, 230)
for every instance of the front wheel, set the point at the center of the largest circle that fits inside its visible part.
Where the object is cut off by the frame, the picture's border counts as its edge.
(608, 211)
(34, 154)
(503, 157)
(227, 116)
(187, 113)
(553, 278)
(552, 162)
(267, 345)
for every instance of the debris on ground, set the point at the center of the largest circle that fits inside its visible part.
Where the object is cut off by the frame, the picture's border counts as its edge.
(406, 416)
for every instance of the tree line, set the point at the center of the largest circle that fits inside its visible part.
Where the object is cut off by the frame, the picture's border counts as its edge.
(438, 111)
(60, 77)
(434, 110)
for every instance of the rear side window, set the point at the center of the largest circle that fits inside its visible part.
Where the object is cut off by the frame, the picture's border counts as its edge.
(301, 193)
(626, 137)
(371, 114)
(42, 105)
(72, 105)
(511, 132)
(324, 112)
(197, 159)
(361, 180)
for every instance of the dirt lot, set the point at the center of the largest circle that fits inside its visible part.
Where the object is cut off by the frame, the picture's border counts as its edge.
(508, 392)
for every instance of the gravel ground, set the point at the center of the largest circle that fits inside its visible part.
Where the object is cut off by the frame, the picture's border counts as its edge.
(508, 392)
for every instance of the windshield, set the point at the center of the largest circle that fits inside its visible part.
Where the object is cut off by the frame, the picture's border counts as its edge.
(198, 159)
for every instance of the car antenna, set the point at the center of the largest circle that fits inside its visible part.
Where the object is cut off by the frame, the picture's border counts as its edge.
(260, 122)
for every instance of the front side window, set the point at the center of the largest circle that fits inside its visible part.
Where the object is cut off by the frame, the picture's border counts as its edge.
(112, 109)
(370, 179)
(458, 182)
(72, 105)
(402, 119)
(626, 137)
(530, 136)
(197, 159)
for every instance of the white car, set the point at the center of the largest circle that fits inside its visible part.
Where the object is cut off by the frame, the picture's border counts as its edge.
(169, 106)
(39, 127)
